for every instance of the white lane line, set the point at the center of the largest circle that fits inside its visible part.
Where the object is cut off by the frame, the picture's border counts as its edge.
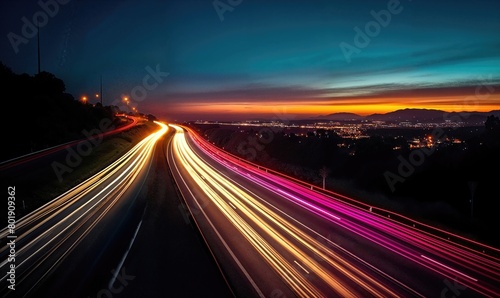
(275, 190)
(242, 268)
(112, 281)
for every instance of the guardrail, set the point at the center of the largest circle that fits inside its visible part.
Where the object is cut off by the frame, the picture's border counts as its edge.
(390, 215)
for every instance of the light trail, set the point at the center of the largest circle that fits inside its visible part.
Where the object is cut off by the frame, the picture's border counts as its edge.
(477, 271)
(47, 235)
(275, 237)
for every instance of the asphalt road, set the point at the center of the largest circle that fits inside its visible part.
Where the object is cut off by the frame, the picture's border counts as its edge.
(176, 217)
(169, 257)
(115, 235)
(277, 238)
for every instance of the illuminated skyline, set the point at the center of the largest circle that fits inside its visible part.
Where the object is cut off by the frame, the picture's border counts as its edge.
(266, 58)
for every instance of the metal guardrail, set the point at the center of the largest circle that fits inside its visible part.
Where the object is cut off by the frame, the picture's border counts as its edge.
(477, 246)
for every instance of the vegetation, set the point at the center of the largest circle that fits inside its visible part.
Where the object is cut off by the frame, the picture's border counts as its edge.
(40, 114)
(45, 186)
(437, 189)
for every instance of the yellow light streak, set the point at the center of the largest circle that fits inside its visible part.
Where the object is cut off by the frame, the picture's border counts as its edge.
(223, 193)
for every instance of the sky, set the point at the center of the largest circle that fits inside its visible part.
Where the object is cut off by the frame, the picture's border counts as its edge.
(242, 59)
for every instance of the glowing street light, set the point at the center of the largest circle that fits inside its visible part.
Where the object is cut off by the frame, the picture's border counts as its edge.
(84, 99)
(126, 100)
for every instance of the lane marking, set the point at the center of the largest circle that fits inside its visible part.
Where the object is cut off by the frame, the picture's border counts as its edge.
(236, 260)
(118, 269)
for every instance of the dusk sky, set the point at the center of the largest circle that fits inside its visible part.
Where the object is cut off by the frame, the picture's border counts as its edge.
(233, 59)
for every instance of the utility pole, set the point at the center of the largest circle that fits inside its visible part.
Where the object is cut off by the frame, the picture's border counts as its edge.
(38, 43)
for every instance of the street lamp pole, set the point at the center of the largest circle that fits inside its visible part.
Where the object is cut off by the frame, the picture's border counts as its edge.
(126, 101)
(101, 90)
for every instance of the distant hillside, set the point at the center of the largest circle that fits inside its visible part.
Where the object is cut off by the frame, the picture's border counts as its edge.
(342, 117)
(409, 115)
(38, 113)
(415, 115)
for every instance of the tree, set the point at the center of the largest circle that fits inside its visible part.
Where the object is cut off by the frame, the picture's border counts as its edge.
(492, 131)
(323, 172)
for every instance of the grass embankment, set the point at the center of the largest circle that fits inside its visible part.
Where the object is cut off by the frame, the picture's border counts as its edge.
(48, 186)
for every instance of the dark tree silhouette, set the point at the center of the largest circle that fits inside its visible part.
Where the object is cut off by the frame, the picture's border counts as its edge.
(53, 116)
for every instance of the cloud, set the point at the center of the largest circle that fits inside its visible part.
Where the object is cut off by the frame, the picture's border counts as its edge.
(262, 93)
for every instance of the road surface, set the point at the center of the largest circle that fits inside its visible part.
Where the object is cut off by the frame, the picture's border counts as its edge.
(274, 237)
(121, 233)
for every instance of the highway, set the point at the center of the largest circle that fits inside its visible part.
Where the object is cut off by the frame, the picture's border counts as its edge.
(97, 134)
(274, 237)
(70, 245)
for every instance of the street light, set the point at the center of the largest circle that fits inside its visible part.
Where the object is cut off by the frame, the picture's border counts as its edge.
(84, 99)
(125, 99)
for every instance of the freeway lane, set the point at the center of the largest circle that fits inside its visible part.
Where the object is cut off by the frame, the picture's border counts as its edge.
(321, 246)
(80, 230)
(227, 249)
(472, 269)
(169, 258)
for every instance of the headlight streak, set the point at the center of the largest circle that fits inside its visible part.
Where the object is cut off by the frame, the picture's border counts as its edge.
(408, 252)
(283, 268)
(380, 272)
(382, 229)
(240, 200)
(109, 184)
(224, 243)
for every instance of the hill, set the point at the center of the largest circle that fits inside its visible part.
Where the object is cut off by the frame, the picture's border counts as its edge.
(341, 117)
(415, 115)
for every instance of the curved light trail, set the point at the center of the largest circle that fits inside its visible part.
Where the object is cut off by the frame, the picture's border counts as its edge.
(47, 235)
(280, 219)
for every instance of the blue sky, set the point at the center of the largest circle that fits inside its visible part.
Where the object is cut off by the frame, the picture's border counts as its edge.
(262, 52)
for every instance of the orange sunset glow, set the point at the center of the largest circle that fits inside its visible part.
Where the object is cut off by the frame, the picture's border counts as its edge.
(360, 106)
